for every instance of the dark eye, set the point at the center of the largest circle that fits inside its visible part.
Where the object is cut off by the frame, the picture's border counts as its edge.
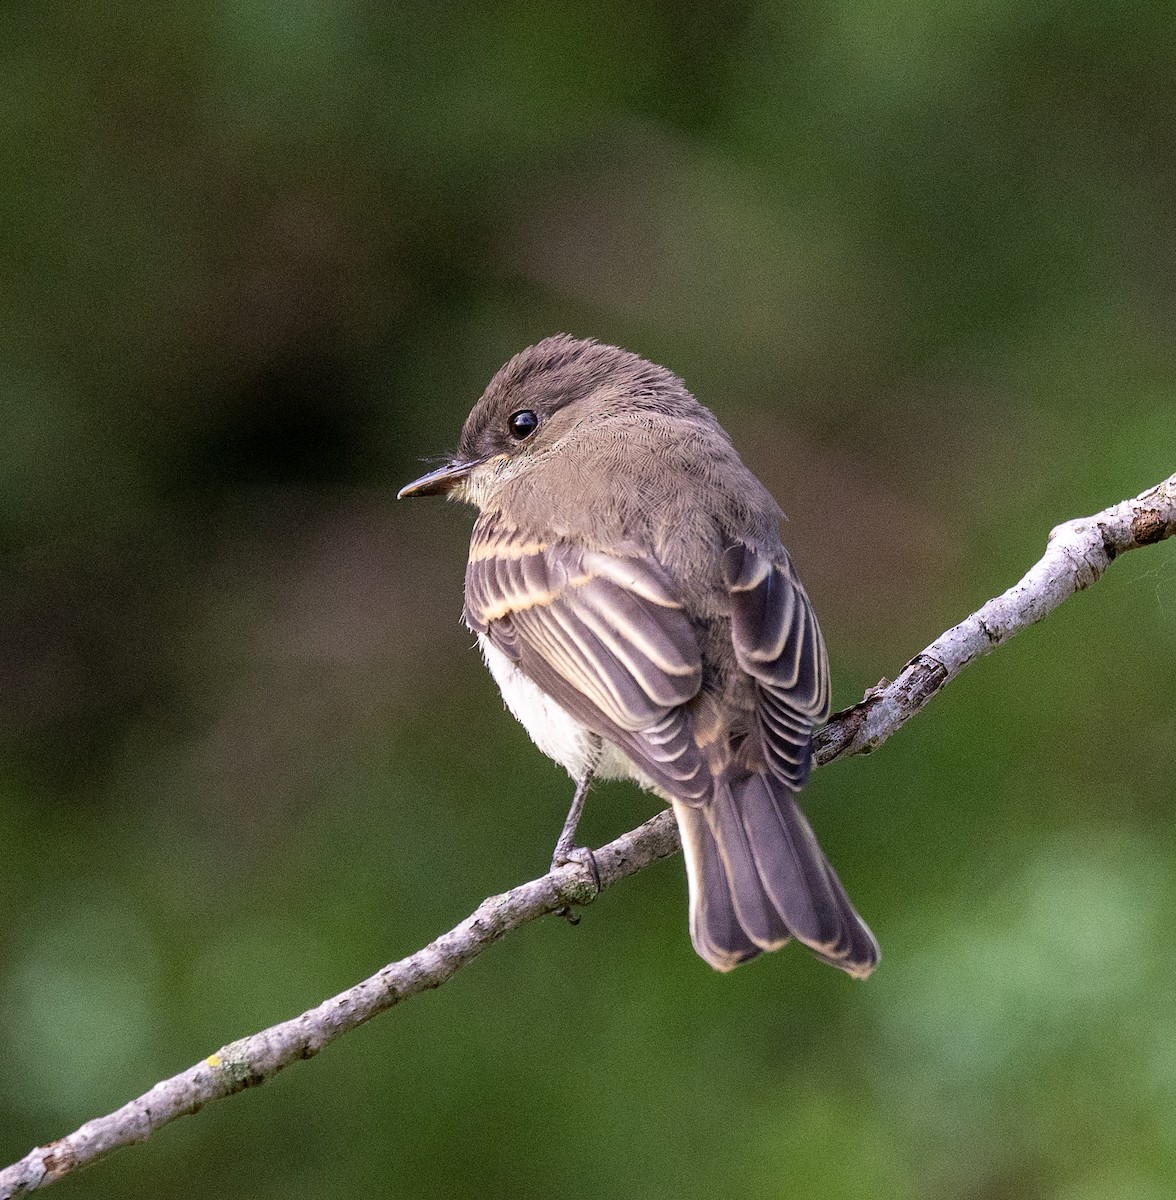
(523, 423)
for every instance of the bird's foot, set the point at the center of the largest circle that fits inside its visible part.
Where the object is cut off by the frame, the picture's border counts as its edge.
(581, 856)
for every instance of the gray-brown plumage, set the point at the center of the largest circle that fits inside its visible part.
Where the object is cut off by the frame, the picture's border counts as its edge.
(633, 599)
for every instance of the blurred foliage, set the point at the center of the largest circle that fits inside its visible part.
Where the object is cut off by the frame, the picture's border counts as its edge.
(259, 259)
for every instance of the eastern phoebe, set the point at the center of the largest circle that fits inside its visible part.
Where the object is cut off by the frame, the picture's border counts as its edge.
(634, 602)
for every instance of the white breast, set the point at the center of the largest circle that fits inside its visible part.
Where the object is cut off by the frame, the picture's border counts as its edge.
(560, 736)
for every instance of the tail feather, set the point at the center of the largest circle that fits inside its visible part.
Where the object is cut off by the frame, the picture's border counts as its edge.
(857, 950)
(758, 876)
(792, 870)
(715, 929)
(759, 913)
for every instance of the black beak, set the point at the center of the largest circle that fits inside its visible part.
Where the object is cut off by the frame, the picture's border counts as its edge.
(437, 483)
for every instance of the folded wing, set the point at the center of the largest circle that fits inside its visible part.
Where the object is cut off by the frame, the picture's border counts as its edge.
(778, 643)
(604, 635)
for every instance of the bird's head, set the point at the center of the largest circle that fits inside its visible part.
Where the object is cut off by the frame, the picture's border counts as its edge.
(534, 402)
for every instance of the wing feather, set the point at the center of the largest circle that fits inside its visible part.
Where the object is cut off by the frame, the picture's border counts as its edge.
(605, 636)
(778, 642)
(588, 663)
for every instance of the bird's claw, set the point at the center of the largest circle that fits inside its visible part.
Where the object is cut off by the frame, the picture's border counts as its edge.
(583, 857)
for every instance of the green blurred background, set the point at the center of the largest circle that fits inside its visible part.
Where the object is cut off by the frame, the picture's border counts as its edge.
(259, 258)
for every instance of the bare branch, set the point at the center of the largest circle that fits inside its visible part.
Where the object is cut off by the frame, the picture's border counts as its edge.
(1078, 553)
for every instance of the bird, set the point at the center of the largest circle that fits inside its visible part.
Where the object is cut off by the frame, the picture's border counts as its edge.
(634, 602)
